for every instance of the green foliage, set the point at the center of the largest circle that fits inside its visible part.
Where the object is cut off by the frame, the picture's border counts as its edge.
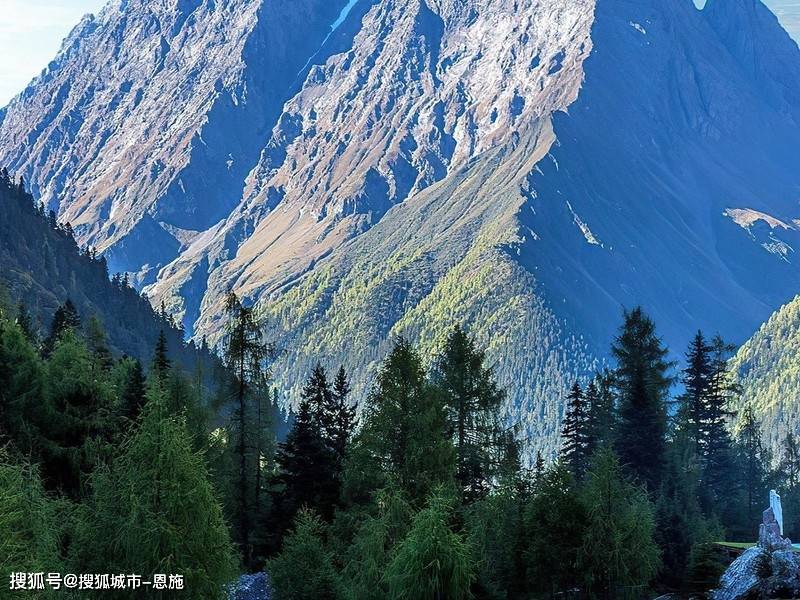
(555, 523)
(304, 568)
(618, 557)
(154, 510)
(433, 561)
(28, 529)
(642, 382)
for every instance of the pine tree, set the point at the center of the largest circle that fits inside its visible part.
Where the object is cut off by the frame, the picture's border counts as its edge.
(306, 464)
(304, 568)
(575, 433)
(753, 460)
(472, 400)
(132, 389)
(156, 512)
(642, 382)
(433, 561)
(161, 363)
(342, 420)
(97, 340)
(405, 433)
(600, 408)
(246, 354)
(697, 380)
(618, 556)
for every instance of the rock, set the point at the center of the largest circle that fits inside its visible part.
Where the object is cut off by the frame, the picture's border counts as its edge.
(769, 534)
(744, 576)
(251, 587)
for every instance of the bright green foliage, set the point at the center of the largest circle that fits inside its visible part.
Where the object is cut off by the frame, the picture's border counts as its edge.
(367, 557)
(304, 568)
(156, 512)
(433, 561)
(28, 529)
(618, 557)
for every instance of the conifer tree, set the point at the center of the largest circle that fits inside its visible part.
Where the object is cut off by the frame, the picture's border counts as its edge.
(753, 460)
(161, 362)
(156, 512)
(304, 568)
(697, 380)
(342, 420)
(65, 319)
(642, 381)
(405, 432)
(472, 402)
(575, 434)
(433, 561)
(618, 556)
(306, 464)
(790, 461)
(132, 389)
(246, 354)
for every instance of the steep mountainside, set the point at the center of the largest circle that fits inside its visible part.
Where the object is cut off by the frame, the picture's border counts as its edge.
(768, 369)
(41, 266)
(528, 167)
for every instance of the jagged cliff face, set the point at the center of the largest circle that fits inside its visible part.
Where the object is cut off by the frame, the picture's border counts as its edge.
(372, 168)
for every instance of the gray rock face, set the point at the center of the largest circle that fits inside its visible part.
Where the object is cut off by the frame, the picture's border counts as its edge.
(769, 534)
(384, 167)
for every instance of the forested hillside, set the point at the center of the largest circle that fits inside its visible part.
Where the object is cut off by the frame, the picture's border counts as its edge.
(768, 369)
(42, 266)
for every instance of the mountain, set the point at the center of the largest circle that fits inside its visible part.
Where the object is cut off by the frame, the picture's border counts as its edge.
(385, 167)
(42, 267)
(768, 370)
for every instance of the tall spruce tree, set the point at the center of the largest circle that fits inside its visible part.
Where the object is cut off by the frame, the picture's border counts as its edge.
(754, 462)
(472, 403)
(600, 407)
(697, 381)
(642, 382)
(575, 433)
(246, 355)
(341, 421)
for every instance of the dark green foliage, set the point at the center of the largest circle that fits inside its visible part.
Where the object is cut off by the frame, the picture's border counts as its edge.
(341, 420)
(249, 431)
(65, 319)
(642, 382)
(304, 568)
(753, 459)
(600, 400)
(132, 385)
(575, 433)
(618, 557)
(555, 522)
(472, 403)
(43, 267)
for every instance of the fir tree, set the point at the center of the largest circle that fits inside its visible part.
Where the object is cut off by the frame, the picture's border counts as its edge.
(342, 420)
(472, 400)
(132, 389)
(433, 561)
(790, 461)
(642, 383)
(754, 462)
(575, 433)
(161, 363)
(697, 379)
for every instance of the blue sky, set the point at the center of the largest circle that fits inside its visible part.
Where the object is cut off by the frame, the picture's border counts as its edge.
(30, 35)
(31, 32)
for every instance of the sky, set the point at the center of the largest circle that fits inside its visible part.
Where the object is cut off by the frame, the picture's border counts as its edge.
(30, 36)
(31, 32)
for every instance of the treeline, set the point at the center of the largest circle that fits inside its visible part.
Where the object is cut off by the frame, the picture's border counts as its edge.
(42, 264)
(114, 466)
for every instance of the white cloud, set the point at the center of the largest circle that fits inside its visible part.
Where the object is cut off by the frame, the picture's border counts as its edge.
(31, 32)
